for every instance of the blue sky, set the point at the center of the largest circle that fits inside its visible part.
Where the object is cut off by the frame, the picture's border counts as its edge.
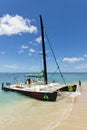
(65, 22)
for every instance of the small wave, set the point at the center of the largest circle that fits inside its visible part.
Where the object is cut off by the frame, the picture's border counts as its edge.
(74, 94)
(64, 115)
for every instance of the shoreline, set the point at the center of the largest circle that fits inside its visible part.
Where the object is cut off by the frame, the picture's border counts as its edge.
(77, 119)
(30, 114)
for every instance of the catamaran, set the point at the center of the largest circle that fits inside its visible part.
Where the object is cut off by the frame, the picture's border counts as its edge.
(42, 90)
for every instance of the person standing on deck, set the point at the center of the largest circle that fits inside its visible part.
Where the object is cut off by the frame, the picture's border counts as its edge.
(79, 83)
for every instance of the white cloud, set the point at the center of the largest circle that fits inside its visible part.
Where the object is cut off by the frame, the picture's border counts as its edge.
(83, 66)
(20, 51)
(14, 66)
(30, 54)
(32, 50)
(38, 40)
(85, 55)
(24, 47)
(73, 60)
(30, 42)
(10, 25)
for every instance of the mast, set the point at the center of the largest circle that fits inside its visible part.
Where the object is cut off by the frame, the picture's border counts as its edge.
(43, 50)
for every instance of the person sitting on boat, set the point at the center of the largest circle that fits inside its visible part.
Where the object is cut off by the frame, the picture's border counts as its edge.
(28, 81)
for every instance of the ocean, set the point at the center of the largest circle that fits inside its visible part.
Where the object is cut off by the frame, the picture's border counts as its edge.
(16, 109)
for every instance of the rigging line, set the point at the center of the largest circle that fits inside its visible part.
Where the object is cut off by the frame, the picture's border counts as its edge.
(55, 59)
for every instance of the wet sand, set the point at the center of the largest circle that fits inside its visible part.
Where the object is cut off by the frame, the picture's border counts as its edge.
(77, 119)
(68, 113)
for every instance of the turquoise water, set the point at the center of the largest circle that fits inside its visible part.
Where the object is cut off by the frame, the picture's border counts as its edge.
(18, 112)
(7, 98)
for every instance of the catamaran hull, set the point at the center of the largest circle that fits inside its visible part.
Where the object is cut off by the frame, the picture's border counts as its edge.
(45, 96)
(71, 88)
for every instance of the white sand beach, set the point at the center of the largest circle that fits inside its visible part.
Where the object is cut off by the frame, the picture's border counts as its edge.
(29, 114)
(77, 119)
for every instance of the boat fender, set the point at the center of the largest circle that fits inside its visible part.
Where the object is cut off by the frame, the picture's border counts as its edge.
(70, 88)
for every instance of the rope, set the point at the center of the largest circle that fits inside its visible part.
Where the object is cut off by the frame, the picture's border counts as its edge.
(55, 59)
